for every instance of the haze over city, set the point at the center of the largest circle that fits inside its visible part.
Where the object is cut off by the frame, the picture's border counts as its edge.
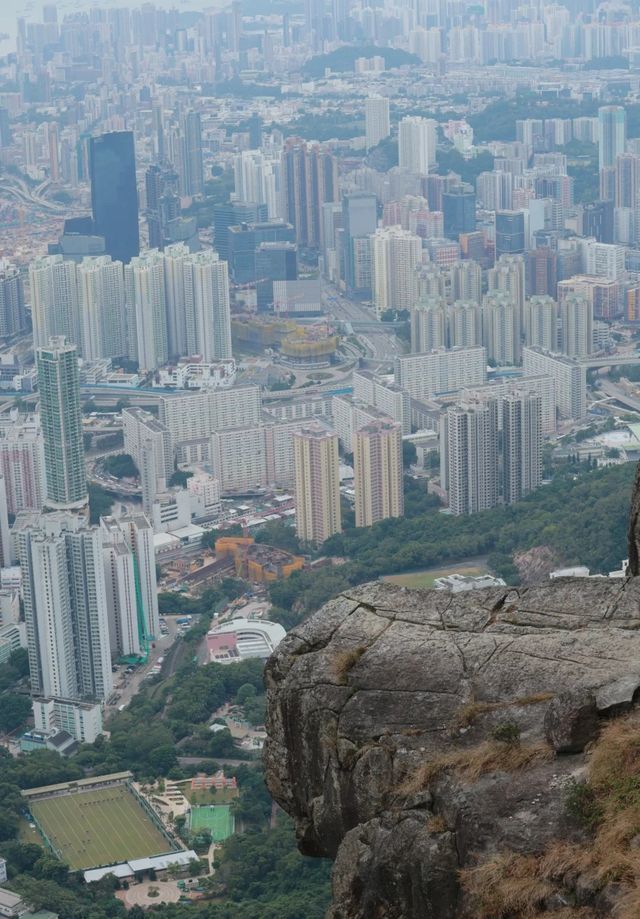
(319, 433)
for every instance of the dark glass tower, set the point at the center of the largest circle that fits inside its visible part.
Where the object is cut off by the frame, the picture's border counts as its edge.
(459, 210)
(114, 194)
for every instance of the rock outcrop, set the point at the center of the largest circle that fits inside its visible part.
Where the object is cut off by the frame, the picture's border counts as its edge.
(424, 740)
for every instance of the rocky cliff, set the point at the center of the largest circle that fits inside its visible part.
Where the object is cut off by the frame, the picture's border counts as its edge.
(472, 755)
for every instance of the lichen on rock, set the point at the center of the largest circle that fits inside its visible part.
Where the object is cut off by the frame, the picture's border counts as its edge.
(416, 737)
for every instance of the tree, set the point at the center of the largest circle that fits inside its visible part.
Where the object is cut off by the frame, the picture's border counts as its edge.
(246, 693)
(409, 454)
(121, 466)
(180, 478)
(14, 711)
(100, 502)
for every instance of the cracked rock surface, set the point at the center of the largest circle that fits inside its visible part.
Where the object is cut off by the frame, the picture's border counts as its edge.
(384, 681)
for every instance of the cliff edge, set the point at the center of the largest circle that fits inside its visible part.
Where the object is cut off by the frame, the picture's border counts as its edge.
(471, 755)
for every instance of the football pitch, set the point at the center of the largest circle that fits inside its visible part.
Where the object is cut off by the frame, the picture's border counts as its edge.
(98, 827)
(217, 818)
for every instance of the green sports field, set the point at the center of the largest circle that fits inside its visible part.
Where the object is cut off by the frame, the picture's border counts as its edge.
(98, 827)
(217, 818)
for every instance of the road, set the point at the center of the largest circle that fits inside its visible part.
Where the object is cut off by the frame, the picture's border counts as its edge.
(617, 393)
(127, 685)
(383, 346)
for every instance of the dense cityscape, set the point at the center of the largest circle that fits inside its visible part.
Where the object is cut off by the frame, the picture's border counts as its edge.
(293, 297)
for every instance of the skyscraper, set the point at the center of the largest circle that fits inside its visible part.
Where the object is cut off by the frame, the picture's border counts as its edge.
(428, 320)
(510, 236)
(359, 216)
(541, 323)
(469, 456)
(396, 253)
(114, 193)
(310, 179)
(22, 464)
(162, 202)
(102, 308)
(147, 309)
(521, 445)
(576, 326)
(459, 209)
(61, 418)
(12, 313)
(65, 607)
(501, 329)
(317, 488)
(191, 167)
(376, 116)
(612, 134)
(130, 576)
(197, 296)
(54, 300)
(377, 466)
(417, 144)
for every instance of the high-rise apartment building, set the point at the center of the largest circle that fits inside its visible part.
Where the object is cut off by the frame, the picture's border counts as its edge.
(417, 144)
(521, 445)
(190, 166)
(147, 307)
(190, 417)
(22, 464)
(148, 442)
(317, 483)
(387, 397)
(197, 297)
(428, 320)
(162, 203)
(469, 456)
(576, 327)
(61, 419)
(465, 281)
(65, 607)
(114, 193)
(541, 327)
(130, 580)
(310, 179)
(102, 308)
(508, 276)
(424, 376)
(501, 329)
(569, 375)
(378, 473)
(612, 134)
(257, 178)
(12, 312)
(464, 324)
(376, 117)
(602, 293)
(396, 253)
(54, 300)
(359, 217)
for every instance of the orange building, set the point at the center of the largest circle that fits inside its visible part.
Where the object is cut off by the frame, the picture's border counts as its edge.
(256, 562)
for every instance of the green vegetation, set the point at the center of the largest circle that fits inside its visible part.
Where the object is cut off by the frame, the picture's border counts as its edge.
(100, 502)
(121, 466)
(582, 166)
(279, 534)
(326, 126)
(98, 827)
(344, 59)
(468, 170)
(180, 478)
(429, 538)
(14, 711)
(498, 120)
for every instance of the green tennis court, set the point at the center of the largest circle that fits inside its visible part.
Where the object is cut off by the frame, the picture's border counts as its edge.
(217, 818)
